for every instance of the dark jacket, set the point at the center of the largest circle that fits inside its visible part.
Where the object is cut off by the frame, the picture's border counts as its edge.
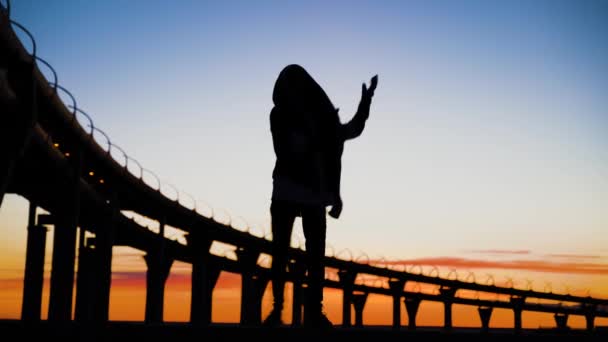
(303, 108)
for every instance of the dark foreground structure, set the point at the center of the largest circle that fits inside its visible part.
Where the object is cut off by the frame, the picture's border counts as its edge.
(51, 155)
(118, 331)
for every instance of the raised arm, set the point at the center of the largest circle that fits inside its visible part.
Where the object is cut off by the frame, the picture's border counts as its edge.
(354, 127)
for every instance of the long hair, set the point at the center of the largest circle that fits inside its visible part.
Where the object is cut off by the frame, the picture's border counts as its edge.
(296, 90)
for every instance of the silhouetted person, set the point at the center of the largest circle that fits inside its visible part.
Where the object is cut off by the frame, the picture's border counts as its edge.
(308, 141)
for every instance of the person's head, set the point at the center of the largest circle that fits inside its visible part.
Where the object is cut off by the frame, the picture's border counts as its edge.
(296, 89)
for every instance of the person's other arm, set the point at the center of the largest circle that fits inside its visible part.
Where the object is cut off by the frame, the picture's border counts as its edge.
(280, 136)
(355, 126)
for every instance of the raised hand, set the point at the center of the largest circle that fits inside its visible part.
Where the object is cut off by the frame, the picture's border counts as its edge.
(369, 92)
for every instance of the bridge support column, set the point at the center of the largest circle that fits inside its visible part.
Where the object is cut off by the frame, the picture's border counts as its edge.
(347, 280)
(297, 269)
(102, 261)
(561, 321)
(590, 321)
(62, 272)
(359, 301)
(447, 293)
(156, 276)
(252, 289)
(64, 246)
(590, 310)
(485, 313)
(85, 282)
(518, 303)
(204, 278)
(411, 306)
(34, 269)
(396, 286)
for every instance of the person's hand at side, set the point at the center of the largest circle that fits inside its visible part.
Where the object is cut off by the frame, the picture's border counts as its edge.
(336, 208)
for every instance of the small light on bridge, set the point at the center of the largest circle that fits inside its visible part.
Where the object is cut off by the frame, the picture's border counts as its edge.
(56, 144)
(91, 173)
(101, 181)
(67, 154)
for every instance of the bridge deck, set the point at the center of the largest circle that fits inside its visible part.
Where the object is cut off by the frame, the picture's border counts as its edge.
(177, 332)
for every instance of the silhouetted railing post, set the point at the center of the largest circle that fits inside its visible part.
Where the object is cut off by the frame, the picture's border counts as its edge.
(561, 321)
(447, 294)
(485, 313)
(518, 304)
(65, 216)
(590, 316)
(204, 277)
(159, 266)
(359, 300)
(34, 268)
(84, 282)
(297, 270)
(253, 286)
(347, 280)
(411, 307)
(396, 286)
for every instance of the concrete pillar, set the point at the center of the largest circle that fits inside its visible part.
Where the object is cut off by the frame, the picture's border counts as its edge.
(411, 306)
(590, 312)
(518, 304)
(159, 265)
(204, 277)
(62, 272)
(34, 269)
(396, 286)
(66, 216)
(359, 300)
(561, 321)
(347, 280)
(485, 313)
(447, 294)
(590, 321)
(253, 286)
(156, 276)
(103, 244)
(297, 270)
(85, 281)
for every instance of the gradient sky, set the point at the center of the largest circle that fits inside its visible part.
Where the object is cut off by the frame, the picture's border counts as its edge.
(487, 132)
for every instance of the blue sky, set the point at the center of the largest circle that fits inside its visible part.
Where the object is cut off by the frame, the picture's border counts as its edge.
(488, 128)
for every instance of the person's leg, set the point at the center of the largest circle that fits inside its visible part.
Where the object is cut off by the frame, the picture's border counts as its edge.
(314, 226)
(283, 215)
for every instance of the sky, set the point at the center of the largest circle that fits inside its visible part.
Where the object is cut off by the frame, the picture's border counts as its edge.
(485, 151)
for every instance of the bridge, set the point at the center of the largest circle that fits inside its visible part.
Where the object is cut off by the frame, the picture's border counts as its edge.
(50, 156)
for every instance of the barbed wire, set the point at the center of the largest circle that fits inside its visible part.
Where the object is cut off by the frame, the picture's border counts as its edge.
(345, 251)
(361, 256)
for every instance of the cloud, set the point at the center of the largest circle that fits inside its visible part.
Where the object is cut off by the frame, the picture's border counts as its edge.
(574, 256)
(127, 275)
(138, 278)
(568, 267)
(501, 251)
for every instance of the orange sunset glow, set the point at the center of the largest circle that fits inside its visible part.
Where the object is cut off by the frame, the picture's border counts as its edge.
(573, 273)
